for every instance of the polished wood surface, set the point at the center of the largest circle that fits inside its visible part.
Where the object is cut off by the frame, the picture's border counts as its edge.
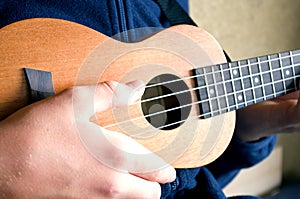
(77, 55)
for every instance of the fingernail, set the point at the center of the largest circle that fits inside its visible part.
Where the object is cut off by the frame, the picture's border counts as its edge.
(137, 85)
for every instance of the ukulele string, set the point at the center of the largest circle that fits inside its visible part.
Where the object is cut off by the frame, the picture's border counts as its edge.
(228, 69)
(207, 100)
(240, 67)
(174, 123)
(197, 102)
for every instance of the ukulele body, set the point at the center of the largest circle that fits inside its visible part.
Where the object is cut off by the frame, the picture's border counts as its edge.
(77, 55)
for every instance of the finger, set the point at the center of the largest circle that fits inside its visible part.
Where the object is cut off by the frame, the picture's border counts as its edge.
(97, 98)
(120, 152)
(124, 185)
(118, 94)
(135, 186)
(293, 95)
(129, 155)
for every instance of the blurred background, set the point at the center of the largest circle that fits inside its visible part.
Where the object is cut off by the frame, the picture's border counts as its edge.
(250, 28)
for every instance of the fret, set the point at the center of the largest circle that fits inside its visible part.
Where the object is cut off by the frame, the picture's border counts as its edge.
(230, 96)
(258, 88)
(243, 70)
(275, 61)
(209, 80)
(296, 62)
(288, 77)
(259, 94)
(202, 92)
(261, 77)
(231, 86)
(279, 88)
(214, 91)
(282, 71)
(226, 72)
(293, 69)
(296, 56)
(220, 89)
(222, 67)
(238, 84)
(286, 59)
(254, 80)
(272, 77)
(233, 74)
(250, 97)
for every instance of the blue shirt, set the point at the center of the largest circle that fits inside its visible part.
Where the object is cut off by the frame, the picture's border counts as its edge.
(111, 17)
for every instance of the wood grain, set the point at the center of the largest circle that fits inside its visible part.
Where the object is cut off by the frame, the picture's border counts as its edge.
(77, 55)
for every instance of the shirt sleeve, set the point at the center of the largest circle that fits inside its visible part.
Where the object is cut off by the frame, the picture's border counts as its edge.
(240, 155)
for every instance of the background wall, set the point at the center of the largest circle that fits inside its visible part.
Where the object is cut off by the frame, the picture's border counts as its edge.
(248, 28)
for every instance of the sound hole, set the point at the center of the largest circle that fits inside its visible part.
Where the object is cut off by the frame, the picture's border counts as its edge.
(166, 103)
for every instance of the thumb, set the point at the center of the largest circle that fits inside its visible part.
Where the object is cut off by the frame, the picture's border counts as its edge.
(87, 100)
(113, 94)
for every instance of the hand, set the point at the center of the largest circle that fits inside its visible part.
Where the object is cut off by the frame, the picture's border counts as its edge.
(270, 117)
(42, 155)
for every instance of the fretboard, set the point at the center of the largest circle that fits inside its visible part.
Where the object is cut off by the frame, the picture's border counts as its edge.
(231, 86)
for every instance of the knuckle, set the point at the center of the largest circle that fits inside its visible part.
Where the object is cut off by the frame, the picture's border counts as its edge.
(113, 188)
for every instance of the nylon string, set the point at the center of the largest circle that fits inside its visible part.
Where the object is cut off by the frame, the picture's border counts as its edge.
(206, 86)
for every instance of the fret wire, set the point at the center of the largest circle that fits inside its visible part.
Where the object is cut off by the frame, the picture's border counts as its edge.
(195, 76)
(228, 81)
(207, 90)
(277, 93)
(265, 72)
(260, 73)
(242, 83)
(216, 90)
(250, 64)
(201, 115)
(233, 86)
(272, 77)
(178, 122)
(251, 79)
(263, 97)
(249, 76)
(259, 61)
(282, 71)
(198, 116)
(278, 81)
(236, 105)
(224, 86)
(296, 56)
(247, 65)
(261, 79)
(293, 68)
(253, 86)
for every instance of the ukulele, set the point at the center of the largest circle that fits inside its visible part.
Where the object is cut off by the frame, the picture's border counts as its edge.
(187, 113)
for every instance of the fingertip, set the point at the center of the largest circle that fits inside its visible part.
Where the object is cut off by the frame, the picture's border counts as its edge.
(170, 175)
(136, 85)
(138, 88)
(173, 174)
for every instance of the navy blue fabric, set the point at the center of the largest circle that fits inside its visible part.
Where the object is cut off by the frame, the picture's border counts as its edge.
(209, 180)
(112, 17)
(106, 16)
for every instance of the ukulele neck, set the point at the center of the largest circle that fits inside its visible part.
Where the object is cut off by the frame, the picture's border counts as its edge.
(231, 86)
